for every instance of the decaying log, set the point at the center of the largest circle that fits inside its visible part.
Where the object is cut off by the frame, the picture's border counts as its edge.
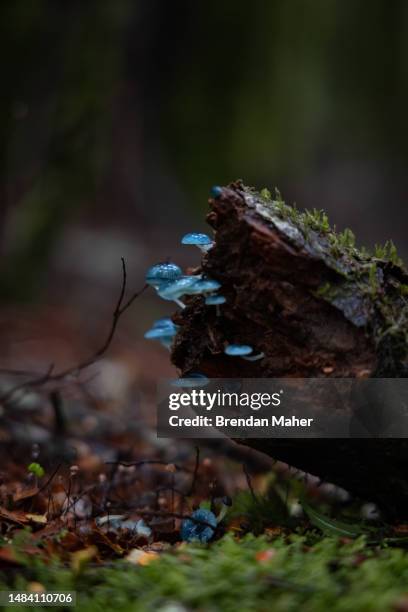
(315, 306)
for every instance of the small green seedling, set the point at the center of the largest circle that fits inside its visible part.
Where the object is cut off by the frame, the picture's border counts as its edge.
(36, 469)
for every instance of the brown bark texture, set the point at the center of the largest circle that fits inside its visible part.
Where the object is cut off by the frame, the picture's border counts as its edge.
(316, 306)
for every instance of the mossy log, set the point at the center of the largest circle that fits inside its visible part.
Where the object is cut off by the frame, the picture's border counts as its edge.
(315, 305)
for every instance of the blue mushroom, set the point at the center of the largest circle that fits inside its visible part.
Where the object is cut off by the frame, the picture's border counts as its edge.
(238, 350)
(162, 330)
(164, 322)
(173, 290)
(216, 191)
(244, 351)
(202, 241)
(200, 527)
(205, 286)
(162, 273)
(215, 300)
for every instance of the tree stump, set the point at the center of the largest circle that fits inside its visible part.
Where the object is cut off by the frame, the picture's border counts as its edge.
(316, 306)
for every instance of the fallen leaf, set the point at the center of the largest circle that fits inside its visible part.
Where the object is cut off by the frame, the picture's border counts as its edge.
(25, 493)
(37, 518)
(140, 557)
(273, 532)
(36, 587)
(15, 516)
(82, 557)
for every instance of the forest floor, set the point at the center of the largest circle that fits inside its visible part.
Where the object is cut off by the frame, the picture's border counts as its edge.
(92, 501)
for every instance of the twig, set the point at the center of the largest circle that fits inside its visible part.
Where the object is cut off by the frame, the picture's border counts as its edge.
(120, 309)
(195, 473)
(59, 419)
(50, 479)
(249, 482)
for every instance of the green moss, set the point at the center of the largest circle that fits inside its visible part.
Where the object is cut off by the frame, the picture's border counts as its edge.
(369, 288)
(283, 573)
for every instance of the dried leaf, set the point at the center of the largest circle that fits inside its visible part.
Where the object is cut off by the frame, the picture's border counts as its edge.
(80, 558)
(15, 516)
(25, 493)
(37, 518)
(140, 557)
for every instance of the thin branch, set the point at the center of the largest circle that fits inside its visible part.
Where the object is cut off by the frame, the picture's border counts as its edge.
(75, 370)
(195, 473)
(249, 482)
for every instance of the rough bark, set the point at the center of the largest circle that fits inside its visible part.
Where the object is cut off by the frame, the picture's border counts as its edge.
(316, 306)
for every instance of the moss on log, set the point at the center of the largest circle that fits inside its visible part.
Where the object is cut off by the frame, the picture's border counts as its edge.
(315, 305)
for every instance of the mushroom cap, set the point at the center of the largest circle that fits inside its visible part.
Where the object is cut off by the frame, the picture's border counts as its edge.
(192, 529)
(180, 286)
(164, 323)
(205, 286)
(216, 191)
(159, 333)
(163, 272)
(237, 350)
(162, 329)
(196, 239)
(213, 300)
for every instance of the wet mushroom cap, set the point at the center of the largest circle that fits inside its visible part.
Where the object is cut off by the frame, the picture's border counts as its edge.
(178, 287)
(205, 286)
(163, 272)
(238, 350)
(164, 322)
(196, 239)
(157, 333)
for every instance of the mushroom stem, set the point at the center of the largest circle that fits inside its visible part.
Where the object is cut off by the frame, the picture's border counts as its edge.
(179, 303)
(204, 248)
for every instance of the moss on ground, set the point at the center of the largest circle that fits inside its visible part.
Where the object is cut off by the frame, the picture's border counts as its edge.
(254, 573)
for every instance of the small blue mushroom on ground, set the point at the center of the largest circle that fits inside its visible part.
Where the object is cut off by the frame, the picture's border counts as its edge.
(199, 527)
(202, 241)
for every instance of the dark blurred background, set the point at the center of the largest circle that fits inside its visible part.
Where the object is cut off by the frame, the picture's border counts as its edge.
(118, 115)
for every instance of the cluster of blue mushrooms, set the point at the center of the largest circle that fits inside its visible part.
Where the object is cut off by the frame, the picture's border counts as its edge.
(200, 527)
(171, 284)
